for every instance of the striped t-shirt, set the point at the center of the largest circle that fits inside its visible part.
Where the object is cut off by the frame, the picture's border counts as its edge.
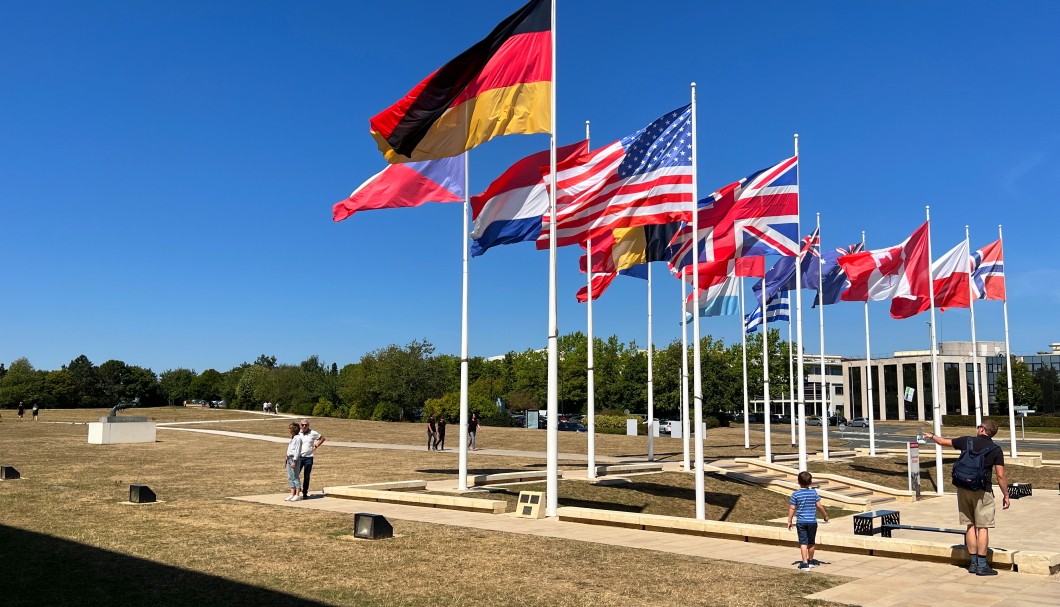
(805, 502)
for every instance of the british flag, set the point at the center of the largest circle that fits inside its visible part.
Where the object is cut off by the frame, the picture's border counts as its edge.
(758, 215)
(988, 272)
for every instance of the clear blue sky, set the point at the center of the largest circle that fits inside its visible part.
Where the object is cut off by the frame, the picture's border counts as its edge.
(167, 170)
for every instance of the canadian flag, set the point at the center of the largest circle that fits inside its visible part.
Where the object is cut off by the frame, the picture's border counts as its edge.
(950, 275)
(900, 273)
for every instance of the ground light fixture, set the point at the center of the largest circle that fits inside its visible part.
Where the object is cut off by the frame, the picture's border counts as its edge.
(371, 526)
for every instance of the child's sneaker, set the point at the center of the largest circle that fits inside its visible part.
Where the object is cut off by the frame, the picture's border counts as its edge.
(296, 498)
(804, 567)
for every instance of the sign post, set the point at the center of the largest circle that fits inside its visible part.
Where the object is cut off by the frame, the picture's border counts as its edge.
(914, 468)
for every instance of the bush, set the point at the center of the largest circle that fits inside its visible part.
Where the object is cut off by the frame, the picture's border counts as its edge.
(711, 422)
(303, 409)
(386, 412)
(1031, 421)
(323, 408)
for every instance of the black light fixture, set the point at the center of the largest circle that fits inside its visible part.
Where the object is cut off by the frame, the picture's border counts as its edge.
(371, 526)
(8, 473)
(141, 494)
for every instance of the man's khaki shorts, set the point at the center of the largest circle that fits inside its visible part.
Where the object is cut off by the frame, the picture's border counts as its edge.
(976, 508)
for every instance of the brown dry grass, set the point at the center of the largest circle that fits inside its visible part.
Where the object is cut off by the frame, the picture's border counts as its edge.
(77, 545)
(891, 471)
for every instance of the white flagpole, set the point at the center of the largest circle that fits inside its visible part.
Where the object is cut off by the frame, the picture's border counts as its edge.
(591, 388)
(867, 406)
(798, 333)
(791, 382)
(975, 346)
(697, 377)
(765, 373)
(820, 322)
(743, 350)
(684, 380)
(552, 406)
(1008, 363)
(651, 386)
(462, 458)
(934, 361)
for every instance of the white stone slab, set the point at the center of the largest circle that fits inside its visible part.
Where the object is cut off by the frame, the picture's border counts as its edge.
(120, 433)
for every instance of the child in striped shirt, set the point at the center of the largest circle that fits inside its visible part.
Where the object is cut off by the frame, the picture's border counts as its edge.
(805, 503)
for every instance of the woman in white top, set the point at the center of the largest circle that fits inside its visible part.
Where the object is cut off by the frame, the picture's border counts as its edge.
(294, 450)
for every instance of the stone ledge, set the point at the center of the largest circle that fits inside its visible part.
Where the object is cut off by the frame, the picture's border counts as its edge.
(508, 477)
(606, 469)
(1039, 563)
(468, 504)
(395, 486)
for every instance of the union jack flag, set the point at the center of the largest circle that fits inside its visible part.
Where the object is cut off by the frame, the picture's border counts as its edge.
(758, 215)
(811, 244)
(988, 272)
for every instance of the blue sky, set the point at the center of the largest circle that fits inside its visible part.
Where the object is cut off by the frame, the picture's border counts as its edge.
(167, 170)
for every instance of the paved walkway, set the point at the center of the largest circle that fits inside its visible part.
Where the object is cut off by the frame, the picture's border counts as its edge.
(875, 581)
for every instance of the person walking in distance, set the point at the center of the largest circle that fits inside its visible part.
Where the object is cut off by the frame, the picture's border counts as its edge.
(311, 439)
(439, 443)
(21, 410)
(36, 410)
(980, 458)
(432, 432)
(472, 430)
(294, 454)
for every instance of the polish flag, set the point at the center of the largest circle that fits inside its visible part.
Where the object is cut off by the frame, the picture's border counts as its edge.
(900, 273)
(950, 275)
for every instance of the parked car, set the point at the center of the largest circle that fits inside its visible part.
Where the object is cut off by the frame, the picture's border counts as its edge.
(837, 420)
(814, 421)
(571, 427)
(780, 419)
(667, 426)
(859, 422)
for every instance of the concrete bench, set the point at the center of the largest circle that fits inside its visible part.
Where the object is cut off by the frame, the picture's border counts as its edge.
(1024, 561)
(501, 478)
(607, 469)
(396, 486)
(451, 502)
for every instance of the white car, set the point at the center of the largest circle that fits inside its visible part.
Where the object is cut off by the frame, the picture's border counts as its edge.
(667, 426)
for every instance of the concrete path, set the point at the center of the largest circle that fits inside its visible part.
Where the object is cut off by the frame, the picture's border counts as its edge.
(875, 581)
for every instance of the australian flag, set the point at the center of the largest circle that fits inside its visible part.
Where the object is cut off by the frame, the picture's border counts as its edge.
(826, 273)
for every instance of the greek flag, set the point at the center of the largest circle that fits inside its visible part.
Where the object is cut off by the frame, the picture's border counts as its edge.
(779, 310)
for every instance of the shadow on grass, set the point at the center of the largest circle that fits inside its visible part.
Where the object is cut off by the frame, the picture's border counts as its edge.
(726, 501)
(881, 471)
(55, 571)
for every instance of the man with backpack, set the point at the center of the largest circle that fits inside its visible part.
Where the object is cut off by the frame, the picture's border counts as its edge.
(972, 473)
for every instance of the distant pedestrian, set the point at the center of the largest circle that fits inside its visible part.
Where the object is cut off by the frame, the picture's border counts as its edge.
(432, 432)
(972, 475)
(294, 456)
(311, 439)
(21, 410)
(472, 431)
(36, 410)
(440, 440)
(265, 407)
(804, 504)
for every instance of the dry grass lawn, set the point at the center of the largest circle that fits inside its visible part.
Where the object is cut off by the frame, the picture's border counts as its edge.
(68, 540)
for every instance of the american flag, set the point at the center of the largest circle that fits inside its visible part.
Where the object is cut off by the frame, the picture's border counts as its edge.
(758, 215)
(988, 272)
(642, 179)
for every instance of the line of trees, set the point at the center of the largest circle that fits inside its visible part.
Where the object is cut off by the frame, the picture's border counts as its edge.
(407, 382)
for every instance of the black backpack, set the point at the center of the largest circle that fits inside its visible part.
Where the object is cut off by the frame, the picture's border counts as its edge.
(971, 472)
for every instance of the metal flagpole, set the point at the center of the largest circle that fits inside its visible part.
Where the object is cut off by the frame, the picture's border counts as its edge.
(798, 333)
(697, 375)
(867, 406)
(462, 458)
(934, 361)
(591, 388)
(975, 345)
(651, 388)
(684, 379)
(1008, 363)
(765, 374)
(743, 350)
(552, 406)
(791, 383)
(820, 322)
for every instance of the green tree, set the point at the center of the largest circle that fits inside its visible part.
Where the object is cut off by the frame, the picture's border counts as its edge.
(21, 383)
(1049, 381)
(269, 362)
(251, 389)
(61, 389)
(208, 385)
(176, 385)
(87, 382)
(1026, 391)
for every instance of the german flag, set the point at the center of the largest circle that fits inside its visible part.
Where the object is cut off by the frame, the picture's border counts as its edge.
(628, 247)
(500, 86)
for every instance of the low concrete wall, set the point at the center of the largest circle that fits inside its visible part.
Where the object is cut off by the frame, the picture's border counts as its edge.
(101, 433)
(469, 504)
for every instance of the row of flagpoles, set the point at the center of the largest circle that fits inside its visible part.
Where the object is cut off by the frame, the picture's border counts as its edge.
(642, 188)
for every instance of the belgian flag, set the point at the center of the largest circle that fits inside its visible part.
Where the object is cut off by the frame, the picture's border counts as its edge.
(500, 86)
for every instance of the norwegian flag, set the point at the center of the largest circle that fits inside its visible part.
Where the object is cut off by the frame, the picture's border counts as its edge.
(988, 272)
(901, 273)
(758, 215)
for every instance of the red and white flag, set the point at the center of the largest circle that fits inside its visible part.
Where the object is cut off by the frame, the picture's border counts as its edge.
(900, 273)
(950, 275)
(601, 280)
